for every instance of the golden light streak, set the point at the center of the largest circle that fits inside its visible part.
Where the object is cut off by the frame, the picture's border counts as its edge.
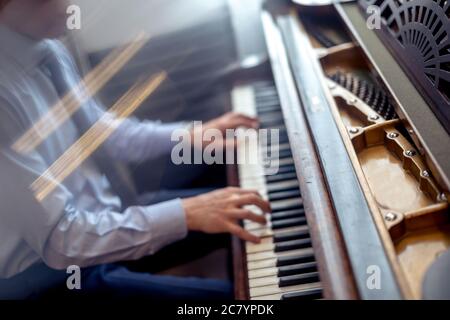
(95, 136)
(79, 95)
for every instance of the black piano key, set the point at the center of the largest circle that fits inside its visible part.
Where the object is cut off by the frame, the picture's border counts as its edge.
(282, 177)
(283, 195)
(292, 245)
(283, 138)
(268, 109)
(271, 125)
(268, 95)
(274, 188)
(290, 214)
(263, 85)
(272, 157)
(295, 222)
(309, 294)
(287, 207)
(295, 259)
(281, 128)
(299, 279)
(286, 169)
(268, 92)
(295, 269)
(282, 154)
(262, 104)
(271, 116)
(289, 236)
(283, 131)
(274, 145)
(267, 103)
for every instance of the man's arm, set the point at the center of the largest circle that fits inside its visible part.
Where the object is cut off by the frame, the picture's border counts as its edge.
(139, 141)
(133, 140)
(63, 234)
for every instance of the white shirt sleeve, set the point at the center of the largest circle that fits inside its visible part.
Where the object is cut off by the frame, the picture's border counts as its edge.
(133, 140)
(63, 235)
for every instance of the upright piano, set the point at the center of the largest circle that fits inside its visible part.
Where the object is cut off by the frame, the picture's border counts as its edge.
(359, 92)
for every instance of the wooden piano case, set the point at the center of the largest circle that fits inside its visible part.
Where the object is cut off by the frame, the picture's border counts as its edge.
(402, 172)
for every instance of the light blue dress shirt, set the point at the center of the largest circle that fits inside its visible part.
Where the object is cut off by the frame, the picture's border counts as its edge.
(81, 222)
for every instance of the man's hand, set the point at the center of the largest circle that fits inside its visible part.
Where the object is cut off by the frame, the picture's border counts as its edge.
(220, 212)
(230, 120)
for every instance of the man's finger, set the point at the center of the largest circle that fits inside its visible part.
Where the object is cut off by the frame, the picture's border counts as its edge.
(242, 233)
(240, 120)
(230, 144)
(241, 191)
(252, 199)
(244, 214)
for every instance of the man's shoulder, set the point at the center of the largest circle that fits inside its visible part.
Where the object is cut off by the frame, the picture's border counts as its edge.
(11, 77)
(11, 114)
(59, 47)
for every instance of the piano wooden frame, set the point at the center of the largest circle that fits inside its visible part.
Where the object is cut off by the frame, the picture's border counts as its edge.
(350, 231)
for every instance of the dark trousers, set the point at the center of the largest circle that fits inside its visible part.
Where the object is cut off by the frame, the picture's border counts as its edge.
(133, 278)
(139, 279)
(136, 278)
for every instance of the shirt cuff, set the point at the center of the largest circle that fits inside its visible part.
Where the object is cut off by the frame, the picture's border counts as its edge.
(168, 223)
(164, 135)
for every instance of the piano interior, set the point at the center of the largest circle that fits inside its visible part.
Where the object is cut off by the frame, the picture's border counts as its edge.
(403, 183)
(400, 184)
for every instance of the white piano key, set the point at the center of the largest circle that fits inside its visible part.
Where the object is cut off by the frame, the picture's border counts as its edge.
(271, 262)
(260, 247)
(275, 289)
(243, 100)
(266, 255)
(269, 280)
(278, 296)
(261, 264)
(262, 273)
(256, 227)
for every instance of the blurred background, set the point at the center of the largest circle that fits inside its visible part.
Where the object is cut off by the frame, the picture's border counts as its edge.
(193, 40)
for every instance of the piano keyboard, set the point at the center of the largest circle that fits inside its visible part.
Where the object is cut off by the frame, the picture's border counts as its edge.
(283, 265)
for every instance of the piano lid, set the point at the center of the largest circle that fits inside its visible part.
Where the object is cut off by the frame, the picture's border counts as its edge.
(418, 34)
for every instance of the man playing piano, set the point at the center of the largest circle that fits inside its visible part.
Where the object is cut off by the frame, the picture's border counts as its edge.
(82, 221)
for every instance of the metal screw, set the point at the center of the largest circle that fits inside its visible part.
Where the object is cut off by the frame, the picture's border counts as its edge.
(393, 135)
(425, 174)
(354, 130)
(374, 117)
(411, 153)
(353, 101)
(390, 216)
(442, 197)
(332, 85)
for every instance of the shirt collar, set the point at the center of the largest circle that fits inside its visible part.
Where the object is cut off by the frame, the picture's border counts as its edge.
(24, 50)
